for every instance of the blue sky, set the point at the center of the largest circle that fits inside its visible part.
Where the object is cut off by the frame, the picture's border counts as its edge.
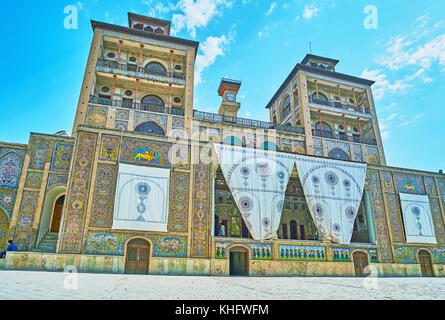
(255, 41)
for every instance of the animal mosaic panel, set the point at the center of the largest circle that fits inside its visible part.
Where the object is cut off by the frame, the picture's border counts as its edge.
(33, 180)
(141, 117)
(408, 183)
(429, 186)
(71, 241)
(438, 221)
(22, 237)
(7, 202)
(109, 148)
(341, 254)
(55, 180)
(10, 170)
(201, 209)
(387, 184)
(97, 116)
(379, 216)
(181, 156)
(261, 251)
(40, 152)
(179, 202)
(394, 218)
(113, 244)
(145, 152)
(102, 209)
(62, 157)
(302, 253)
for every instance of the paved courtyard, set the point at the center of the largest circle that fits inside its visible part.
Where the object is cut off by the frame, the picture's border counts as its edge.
(46, 285)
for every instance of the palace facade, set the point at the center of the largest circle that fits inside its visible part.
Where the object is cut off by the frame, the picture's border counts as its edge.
(139, 188)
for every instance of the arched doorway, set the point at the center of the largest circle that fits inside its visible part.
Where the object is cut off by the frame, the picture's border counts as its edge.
(57, 214)
(426, 264)
(360, 263)
(137, 258)
(239, 261)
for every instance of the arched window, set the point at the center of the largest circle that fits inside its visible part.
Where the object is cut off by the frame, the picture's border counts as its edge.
(338, 154)
(268, 145)
(319, 98)
(286, 107)
(152, 103)
(234, 141)
(155, 68)
(324, 130)
(150, 127)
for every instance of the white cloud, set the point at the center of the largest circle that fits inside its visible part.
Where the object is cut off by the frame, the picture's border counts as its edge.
(382, 84)
(310, 11)
(272, 7)
(196, 14)
(211, 48)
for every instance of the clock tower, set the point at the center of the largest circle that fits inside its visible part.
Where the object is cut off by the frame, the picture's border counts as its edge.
(228, 89)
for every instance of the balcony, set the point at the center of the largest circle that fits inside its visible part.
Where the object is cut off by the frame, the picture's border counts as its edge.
(212, 117)
(344, 137)
(136, 106)
(337, 106)
(139, 72)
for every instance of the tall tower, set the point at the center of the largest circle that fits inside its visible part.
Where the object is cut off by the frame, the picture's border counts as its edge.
(228, 90)
(134, 72)
(336, 111)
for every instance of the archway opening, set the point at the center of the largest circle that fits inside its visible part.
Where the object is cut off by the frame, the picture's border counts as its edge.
(57, 214)
(360, 263)
(137, 257)
(426, 263)
(239, 261)
(150, 127)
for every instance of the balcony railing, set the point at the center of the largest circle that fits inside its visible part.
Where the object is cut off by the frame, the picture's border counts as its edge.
(339, 105)
(136, 106)
(212, 117)
(343, 137)
(125, 68)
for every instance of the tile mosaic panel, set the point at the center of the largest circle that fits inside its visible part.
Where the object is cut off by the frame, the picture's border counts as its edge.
(429, 186)
(62, 157)
(103, 201)
(145, 152)
(109, 147)
(10, 170)
(41, 152)
(261, 251)
(201, 209)
(302, 253)
(331, 145)
(438, 221)
(72, 233)
(56, 180)
(379, 216)
(407, 254)
(141, 117)
(22, 236)
(96, 116)
(341, 254)
(388, 185)
(179, 202)
(121, 125)
(394, 218)
(33, 180)
(408, 183)
(7, 201)
(122, 114)
(181, 156)
(177, 123)
(113, 244)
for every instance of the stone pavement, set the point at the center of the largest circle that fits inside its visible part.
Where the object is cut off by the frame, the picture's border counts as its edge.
(47, 285)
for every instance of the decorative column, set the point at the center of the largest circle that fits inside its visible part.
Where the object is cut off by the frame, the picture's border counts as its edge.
(119, 52)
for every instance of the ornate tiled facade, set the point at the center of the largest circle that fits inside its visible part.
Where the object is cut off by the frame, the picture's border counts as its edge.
(179, 202)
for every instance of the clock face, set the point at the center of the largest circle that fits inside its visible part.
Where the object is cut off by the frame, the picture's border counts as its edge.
(230, 96)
